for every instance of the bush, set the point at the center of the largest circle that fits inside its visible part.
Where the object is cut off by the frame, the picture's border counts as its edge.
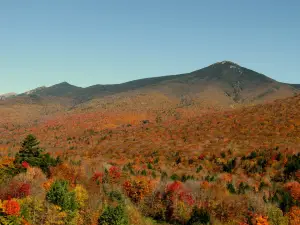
(252, 155)
(113, 216)
(32, 210)
(11, 207)
(199, 169)
(283, 199)
(276, 217)
(185, 178)
(242, 188)
(116, 196)
(199, 216)
(137, 188)
(114, 173)
(59, 195)
(175, 177)
(231, 188)
(229, 166)
(210, 178)
(81, 195)
(292, 165)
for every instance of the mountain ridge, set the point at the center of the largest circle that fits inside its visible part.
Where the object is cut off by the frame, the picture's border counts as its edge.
(226, 81)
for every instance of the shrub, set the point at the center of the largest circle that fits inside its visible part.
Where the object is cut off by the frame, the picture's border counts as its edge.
(144, 173)
(210, 178)
(137, 188)
(175, 177)
(16, 189)
(54, 215)
(24, 190)
(25, 164)
(276, 217)
(116, 196)
(199, 216)
(283, 199)
(199, 169)
(294, 189)
(294, 215)
(231, 188)
(176, 186)
(59, 195)
(11, 207)
(223, 155)
(149, 166)
(163, 176)
(229, 166)
(292, 165)
(32, 210)
(113, 216)
(114, 173)
(179, 201)
(260, 220)
(185, 178)
(98, 177)
(252, 155)
(242, 188)
(81, 195)
(11, 220)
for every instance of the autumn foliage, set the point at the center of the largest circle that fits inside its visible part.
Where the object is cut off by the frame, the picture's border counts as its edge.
(137, 188)
(171, 166)
(11, 207)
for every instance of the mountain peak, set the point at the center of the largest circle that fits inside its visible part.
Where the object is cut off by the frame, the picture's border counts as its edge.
(226, 62)
(7, 95)
(33, 91)
(64, 83)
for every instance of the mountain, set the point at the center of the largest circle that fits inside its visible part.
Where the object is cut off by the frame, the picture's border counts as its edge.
(59, 90)
(7, 95)
(223, 83)
(296, 85)
(35, 91)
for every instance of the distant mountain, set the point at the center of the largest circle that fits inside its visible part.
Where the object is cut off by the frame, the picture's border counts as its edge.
(296, 85)
(35, 91)
(7, 95)
(60, 90)
(223, 82)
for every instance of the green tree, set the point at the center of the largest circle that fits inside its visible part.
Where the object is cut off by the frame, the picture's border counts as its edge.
(113, 216)
(199, 217)
(31, 153)
(60, 195)
(276, 216)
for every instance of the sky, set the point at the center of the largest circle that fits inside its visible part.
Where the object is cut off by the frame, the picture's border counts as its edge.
(87, 42)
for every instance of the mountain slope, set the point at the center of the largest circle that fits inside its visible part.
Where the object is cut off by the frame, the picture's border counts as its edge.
(296, 85)
(7, 95)
(60, 90)
(224, 82)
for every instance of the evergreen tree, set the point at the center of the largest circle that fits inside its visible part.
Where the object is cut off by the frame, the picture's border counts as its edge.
(199, 217)
(29, 148)
(31, 153)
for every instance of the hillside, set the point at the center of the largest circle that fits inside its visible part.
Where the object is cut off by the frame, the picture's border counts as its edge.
(7, 95)
(296, 85)
(237, 166)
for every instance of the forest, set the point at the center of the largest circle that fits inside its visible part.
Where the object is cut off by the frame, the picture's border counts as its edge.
(246, 172)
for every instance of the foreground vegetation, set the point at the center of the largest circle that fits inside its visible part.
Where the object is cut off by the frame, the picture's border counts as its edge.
(175, 166)
(261, 187)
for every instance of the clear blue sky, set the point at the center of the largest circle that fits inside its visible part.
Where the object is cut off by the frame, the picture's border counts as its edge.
(99, 42)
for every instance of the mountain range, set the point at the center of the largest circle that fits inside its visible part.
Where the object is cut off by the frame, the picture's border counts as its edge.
(7, 95)
(224, 83)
